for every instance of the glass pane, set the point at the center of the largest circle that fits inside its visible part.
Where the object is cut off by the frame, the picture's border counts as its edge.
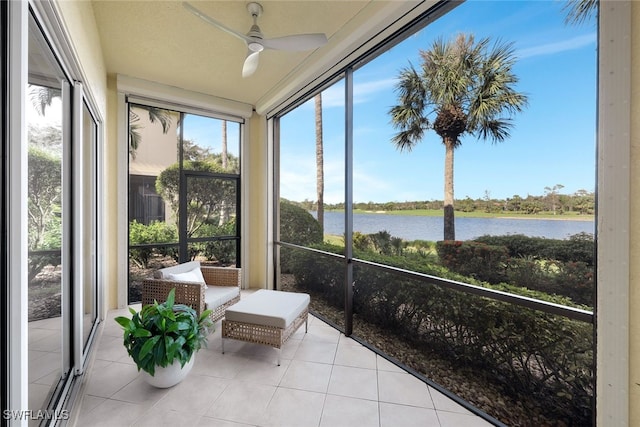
(523, 361)
(211, 140)
(211, 206)
(321, 276)
(153, 149)
(49, 321)
(89, 215)
(218, 252)
(211, 218)
(537, 179)
(523, 205)
(312, 150)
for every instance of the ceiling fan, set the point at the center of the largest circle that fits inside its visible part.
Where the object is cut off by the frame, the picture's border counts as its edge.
(255, 40)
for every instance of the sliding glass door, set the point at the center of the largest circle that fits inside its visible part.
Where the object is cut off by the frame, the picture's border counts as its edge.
(62, 209)
(49, 184)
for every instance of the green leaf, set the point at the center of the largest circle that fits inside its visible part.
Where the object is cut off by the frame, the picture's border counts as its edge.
(171, 298)
(148, 346)
(125, 322)
(141, 333)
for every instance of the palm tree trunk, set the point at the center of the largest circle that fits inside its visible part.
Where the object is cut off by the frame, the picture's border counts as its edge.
(449, 218)
(319, 161)
(224, 211)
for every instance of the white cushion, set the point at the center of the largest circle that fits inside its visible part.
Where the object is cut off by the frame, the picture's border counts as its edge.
(215, 296)
(180, 268)
(269, 308)
(189, 276)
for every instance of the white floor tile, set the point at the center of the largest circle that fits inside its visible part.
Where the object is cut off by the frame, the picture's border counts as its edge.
(325, 379)
(454, 419)
(294, 408)
(316, 351)
(342, 411)
(351, 353)
(354, 382)
(242, 402)
(403, 389)
(308, 376)
(392, 415)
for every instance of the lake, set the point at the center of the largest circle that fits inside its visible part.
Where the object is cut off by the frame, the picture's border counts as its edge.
(431, 228)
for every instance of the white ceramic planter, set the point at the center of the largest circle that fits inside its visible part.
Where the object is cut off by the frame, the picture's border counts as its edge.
(171, 375)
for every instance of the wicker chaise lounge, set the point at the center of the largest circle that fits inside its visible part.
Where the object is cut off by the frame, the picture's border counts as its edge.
(266, 317)
(221, 291)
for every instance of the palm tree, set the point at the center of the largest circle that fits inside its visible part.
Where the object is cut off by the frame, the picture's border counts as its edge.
(462, 87)
(319, 160)
(224, 211)
(579, 11)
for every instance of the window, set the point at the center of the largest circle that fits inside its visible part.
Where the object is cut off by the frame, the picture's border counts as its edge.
(184, 190)
(399, 265)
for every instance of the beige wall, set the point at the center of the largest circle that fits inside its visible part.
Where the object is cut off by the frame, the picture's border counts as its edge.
(111, 199)
(255, 234)
(80, 23)
(634, 231)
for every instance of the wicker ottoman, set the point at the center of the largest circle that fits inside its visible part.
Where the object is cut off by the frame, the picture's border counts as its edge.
(266, 317)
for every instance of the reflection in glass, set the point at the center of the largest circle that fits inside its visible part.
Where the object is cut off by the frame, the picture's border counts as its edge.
(49, 321)
(89, 168)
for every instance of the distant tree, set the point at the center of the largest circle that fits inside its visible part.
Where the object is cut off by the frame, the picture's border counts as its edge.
(551, 194)
(466, 205)
(463, 87)
(203, 199)
(45, 178)
(584, 202)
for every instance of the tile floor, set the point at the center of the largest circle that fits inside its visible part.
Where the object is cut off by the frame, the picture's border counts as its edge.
(325, 379)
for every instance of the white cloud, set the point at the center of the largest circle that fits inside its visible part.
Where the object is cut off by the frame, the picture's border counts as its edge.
(362, 92)
(557, 47)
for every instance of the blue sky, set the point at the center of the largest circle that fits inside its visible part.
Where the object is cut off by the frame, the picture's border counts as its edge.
(552, 141)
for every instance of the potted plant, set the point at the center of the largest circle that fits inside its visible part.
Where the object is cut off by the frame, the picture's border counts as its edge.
(162, 338)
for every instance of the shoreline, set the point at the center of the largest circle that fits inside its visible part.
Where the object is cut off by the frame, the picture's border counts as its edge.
(585, 218)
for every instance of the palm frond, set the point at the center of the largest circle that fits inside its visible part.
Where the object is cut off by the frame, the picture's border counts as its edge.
(580, 11)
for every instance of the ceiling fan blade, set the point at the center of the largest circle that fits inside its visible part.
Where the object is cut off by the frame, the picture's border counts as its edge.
(213, 22)
(250, 64)
(296, 42)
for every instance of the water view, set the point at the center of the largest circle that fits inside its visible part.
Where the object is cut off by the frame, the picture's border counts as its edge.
(431, 228)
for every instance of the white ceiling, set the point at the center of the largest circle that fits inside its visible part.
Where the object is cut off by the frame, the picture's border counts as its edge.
(163, 42)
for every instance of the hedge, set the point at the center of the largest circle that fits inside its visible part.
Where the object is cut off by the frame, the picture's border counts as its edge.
(545, 356)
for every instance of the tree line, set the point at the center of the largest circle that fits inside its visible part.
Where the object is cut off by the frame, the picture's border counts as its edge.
(581, 202)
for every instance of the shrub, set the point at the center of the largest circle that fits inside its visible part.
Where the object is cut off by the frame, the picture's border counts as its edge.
(579, 247)
(545, 356)
(298, 226)
(223, 251)
(154, 233)
(482, 261)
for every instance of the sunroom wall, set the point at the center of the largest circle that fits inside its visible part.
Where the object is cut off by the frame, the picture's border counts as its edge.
(79, 23)
(634, 229)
